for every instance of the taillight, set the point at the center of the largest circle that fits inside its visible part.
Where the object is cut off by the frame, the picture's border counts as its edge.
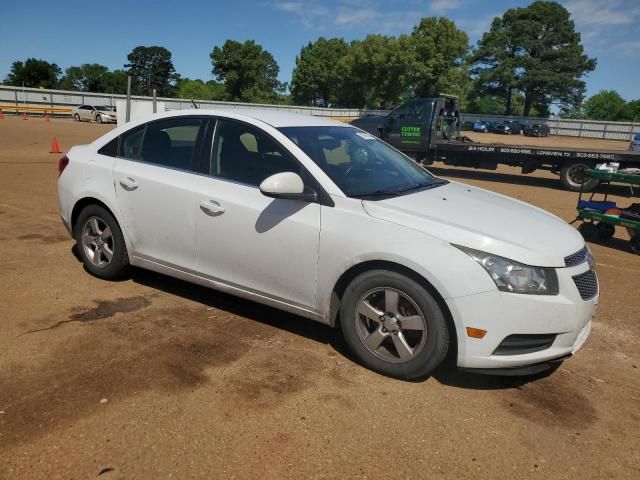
(62, 164)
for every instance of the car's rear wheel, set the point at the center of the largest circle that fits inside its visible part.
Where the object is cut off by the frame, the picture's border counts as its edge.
(101, 243)
(76, 117)
(394, 325)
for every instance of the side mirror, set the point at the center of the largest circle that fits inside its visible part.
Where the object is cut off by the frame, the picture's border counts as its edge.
(288, 186)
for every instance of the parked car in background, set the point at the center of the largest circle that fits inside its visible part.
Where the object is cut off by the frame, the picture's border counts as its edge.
(322, 219)
(634, 146)
(515, 126)
(537, 130)
(482, 126)
(501, 128)
(91, 113)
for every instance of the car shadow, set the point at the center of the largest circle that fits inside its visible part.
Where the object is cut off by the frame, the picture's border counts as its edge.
(446, 374)
(522, 179)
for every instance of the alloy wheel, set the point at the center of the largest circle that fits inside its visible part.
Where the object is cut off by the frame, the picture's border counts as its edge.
(97, 242)
(390, 325)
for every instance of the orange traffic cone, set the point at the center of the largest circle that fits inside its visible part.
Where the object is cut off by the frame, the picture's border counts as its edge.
(1, 115)
(55, 148)
(46, 117)
(24, 115)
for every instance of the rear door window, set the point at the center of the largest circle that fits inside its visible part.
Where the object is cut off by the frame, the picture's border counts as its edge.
(131, 144)
(172, 142)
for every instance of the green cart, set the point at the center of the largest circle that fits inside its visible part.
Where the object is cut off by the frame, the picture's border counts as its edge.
(598, 225)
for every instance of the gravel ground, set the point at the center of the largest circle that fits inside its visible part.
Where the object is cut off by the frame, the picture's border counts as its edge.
(151, 377)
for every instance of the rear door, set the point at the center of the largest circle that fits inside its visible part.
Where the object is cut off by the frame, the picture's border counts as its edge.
(153, 178)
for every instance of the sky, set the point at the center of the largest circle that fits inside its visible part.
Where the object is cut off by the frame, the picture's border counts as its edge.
(72, 32)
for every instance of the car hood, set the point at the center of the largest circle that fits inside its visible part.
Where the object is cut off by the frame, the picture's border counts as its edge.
(476, 218)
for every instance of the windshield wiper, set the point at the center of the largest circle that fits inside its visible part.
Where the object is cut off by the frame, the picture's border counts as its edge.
(376, 193)
(416, 186)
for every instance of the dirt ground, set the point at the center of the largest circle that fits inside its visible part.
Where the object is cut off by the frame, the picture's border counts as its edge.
(152, 377)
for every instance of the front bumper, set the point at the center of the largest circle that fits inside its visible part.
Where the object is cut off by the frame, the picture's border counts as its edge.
(567, 316)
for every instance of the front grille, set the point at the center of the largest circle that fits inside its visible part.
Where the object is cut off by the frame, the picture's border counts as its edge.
(587, 284)
(576, 258)
(521, 343)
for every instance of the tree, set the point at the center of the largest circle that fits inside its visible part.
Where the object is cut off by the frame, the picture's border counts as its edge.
(534, 50)
(633, 108)
(438, 62)
(85, 78)
(94, 78)
(317, 73)
(152, 67)
(249, 72)
(376, 72)
(116, 82)
(199, 90)
(495, 64)
(33, 73)
(607, 105)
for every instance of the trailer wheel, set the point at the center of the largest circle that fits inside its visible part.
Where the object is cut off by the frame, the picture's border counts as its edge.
(572, 177)
(588, 231)
(605, 231)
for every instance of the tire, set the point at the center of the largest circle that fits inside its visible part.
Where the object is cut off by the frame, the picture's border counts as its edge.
(605, 231)
(423, 348)
(589, 231)
(98, 118)
(76, 117)
(571, 175)
(91, 234)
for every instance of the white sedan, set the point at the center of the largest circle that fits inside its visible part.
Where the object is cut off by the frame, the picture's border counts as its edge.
(321, 219)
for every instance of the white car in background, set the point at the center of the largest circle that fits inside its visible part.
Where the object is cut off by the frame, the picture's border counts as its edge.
(321, 219)
(91, 113)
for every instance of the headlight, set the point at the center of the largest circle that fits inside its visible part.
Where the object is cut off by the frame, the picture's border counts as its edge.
(514, 277)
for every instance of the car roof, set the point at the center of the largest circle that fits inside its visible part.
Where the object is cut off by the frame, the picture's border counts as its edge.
(270, 116)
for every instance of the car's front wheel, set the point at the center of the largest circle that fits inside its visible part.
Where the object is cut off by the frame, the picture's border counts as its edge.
(101, 244)
(394, 325)
(98, 118)
(76, 117)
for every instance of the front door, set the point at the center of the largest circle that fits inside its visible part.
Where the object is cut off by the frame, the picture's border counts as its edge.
(243, 238)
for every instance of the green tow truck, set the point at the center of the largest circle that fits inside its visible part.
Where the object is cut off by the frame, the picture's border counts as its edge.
(427, 129)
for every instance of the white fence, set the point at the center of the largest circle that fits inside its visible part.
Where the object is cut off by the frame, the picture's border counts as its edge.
(61, 98)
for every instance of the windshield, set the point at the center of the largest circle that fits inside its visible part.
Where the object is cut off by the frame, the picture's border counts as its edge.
(359, 163)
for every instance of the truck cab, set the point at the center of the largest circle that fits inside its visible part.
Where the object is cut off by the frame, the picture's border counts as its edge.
(416, 124)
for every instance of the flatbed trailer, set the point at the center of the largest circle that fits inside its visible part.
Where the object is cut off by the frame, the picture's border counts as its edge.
(427, 130)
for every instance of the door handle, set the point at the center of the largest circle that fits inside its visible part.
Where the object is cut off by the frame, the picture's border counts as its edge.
(211, 208)
(128, 183)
